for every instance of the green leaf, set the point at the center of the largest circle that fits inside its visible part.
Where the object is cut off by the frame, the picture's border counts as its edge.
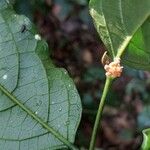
(137, 54)
(117, 22)
(146, 140)
(40, 108)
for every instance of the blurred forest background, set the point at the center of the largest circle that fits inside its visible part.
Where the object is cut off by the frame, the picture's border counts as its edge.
(76, 46)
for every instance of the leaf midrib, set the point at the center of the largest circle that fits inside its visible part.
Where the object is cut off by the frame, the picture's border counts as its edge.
(38, 119)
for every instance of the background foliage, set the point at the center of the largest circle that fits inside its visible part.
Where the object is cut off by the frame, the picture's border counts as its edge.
(68, 28)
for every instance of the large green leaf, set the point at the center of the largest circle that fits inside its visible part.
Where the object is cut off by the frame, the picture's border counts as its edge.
(40, 107)
(117, 21)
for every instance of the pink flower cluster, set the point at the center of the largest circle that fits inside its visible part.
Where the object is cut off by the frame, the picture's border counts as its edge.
(114, 69)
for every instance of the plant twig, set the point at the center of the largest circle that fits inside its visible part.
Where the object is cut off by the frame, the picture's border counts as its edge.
(100, 110)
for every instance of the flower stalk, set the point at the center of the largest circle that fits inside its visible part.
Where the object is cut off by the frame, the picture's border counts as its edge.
(100, 110)
(113, 70)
